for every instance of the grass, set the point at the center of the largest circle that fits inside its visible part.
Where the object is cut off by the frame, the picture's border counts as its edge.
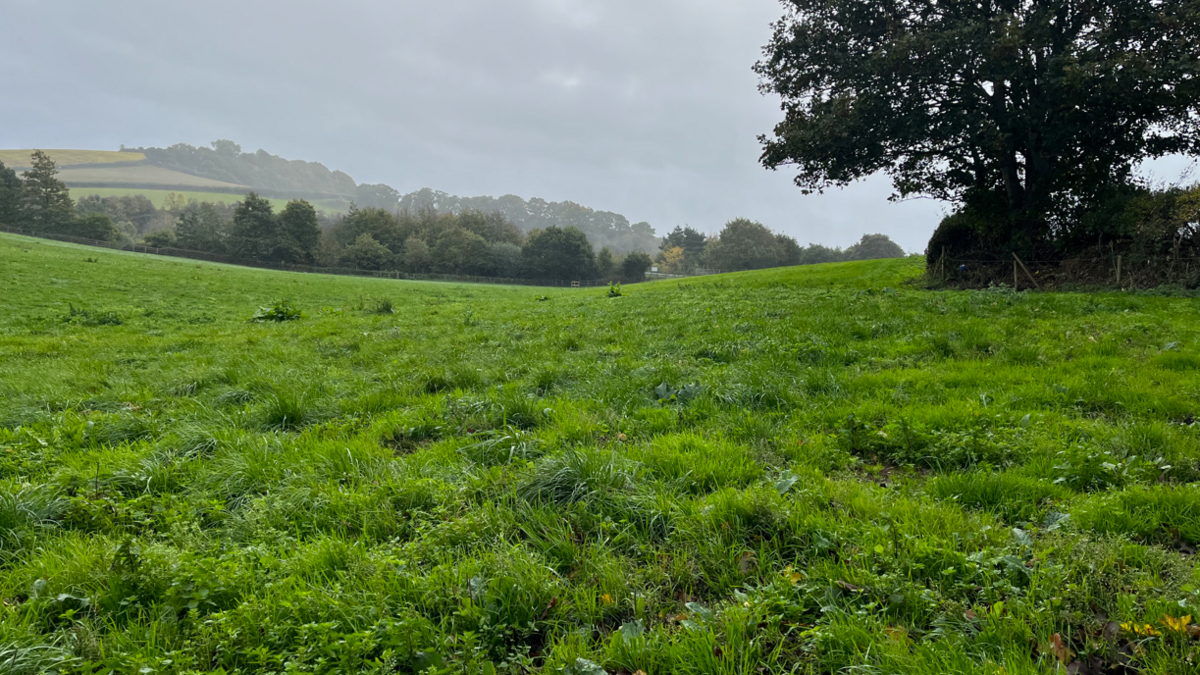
(818, 470)
(20, 158)
(139, 174)
(158, 197)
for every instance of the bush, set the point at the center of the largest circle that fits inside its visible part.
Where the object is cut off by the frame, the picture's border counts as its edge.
(282, 310)
(160, 239)
(366, 253)
(92, 226)
(874, 247)
(635, 265)
(957, 236)
(381, 306)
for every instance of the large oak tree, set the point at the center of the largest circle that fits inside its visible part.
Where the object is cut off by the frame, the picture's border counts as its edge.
(1034, 107)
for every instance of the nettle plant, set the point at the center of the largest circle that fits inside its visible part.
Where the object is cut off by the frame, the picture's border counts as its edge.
(279, 311)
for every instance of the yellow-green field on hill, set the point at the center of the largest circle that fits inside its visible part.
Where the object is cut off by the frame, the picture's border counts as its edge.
(20, 158)
(139, 174)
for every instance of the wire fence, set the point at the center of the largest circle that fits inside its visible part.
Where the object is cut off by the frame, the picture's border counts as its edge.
(1106, 259)
(1124, 268)
(311, 269)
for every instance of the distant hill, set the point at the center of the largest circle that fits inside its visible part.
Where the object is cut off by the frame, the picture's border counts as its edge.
(139, 174)
(260, 170)
(223, 172)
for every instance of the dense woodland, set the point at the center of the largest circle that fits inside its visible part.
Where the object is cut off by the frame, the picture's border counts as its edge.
(434, 235)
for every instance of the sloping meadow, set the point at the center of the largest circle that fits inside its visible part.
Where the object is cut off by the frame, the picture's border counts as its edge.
(821, 469)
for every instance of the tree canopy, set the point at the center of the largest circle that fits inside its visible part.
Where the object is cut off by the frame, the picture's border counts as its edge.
(255, 233)
(745, 245)
(225, 161)
(874, 247)
(10, 196)
(299, 230)
(602, 228)
(559, 253)
(1034, 107)
(45, 200)
(203, 227)
(366, 253)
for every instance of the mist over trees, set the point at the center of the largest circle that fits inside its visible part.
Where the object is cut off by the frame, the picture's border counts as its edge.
(225, 161)
(204, 227)
(466, 243)
(441, 236)
(748, 245)
(602, 228)
(270, 174)
(133, 214)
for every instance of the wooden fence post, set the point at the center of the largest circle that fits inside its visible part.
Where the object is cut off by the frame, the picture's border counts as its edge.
(1118, 271)
(1027, 272)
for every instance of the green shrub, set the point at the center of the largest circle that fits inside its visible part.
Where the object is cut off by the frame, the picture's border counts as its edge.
(280, 310)
(88, 317)
(962, 234)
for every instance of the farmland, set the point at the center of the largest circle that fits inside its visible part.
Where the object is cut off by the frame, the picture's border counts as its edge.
(122, 174)
(138, 174)
(815, 469)
(20, 158)
(159, 197)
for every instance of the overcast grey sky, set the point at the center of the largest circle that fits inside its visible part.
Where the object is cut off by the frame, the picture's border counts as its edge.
(643, 107)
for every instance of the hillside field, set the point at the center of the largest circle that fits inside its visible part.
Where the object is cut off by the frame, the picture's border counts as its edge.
(822, 469)
(20, 158)
(159, 197)
(119, 175)
(116, 179)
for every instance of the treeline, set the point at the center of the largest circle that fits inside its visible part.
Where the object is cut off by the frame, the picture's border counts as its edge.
(249, 230)
(225, 161)
(39, 202)
(1150, 226)
(603, 228)
(457, 241)
(263, 171)
(471, 242)
(747, 245)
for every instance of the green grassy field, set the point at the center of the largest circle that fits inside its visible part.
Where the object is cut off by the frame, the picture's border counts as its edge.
(139, 174)
(20, 158)
(818, 470)
(159, 197)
